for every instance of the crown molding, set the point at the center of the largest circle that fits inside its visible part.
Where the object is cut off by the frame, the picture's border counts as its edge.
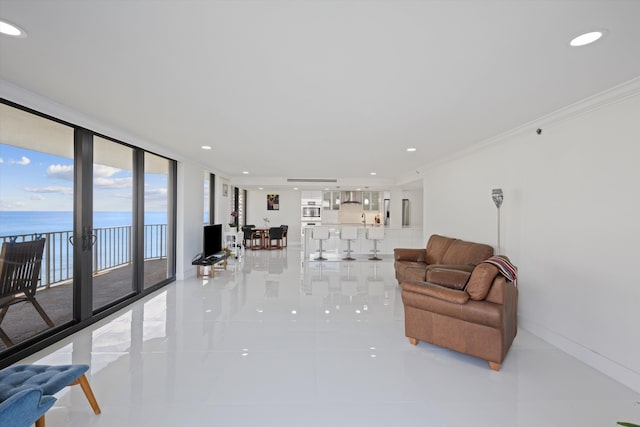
(610, 96)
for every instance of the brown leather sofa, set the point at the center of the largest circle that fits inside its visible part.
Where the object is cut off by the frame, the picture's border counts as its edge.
(470, 311)
(454, 254)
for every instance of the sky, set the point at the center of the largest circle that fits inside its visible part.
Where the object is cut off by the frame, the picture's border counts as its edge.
(36, 181)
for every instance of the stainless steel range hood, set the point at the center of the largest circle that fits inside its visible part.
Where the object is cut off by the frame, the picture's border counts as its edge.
(350, 197)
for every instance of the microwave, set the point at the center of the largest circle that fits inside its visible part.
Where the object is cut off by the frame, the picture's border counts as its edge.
(311, 212)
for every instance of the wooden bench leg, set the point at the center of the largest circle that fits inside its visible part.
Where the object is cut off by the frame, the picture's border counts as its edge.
(495, 366)
(211, 274)
(86, 388)
(40, 422)
(413, 341)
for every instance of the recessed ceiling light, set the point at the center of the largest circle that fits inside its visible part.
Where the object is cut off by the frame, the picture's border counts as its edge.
(586, 38)
(206, 147)
(372, 173)
(9, 29)
(411, 149)
(260, 188)
(295, 188)
(245, 172)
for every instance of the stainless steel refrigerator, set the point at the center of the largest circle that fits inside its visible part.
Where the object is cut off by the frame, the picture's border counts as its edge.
(405, 212)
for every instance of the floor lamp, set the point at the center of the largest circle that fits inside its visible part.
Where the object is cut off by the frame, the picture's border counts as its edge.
(498, 197)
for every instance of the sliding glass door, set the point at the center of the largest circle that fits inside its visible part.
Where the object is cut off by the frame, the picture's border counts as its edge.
(158, 253)
(105, 212)
(112, 273)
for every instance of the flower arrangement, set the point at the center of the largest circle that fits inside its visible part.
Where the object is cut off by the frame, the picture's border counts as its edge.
(234, 219)
(266, 221)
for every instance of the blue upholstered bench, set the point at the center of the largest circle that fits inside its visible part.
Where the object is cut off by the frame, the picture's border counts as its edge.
(26, 391)
(25, 407)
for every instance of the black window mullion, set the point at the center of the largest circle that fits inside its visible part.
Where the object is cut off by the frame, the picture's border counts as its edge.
(82, 225)
(138, 221)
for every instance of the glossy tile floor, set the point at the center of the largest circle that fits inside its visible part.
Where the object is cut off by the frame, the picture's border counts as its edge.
(273, 342)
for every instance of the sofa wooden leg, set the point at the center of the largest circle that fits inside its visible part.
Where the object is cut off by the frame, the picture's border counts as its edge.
(413, 341)
(495, 366)
(40, 422)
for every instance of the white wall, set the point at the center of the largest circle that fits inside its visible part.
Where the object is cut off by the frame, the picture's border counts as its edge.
(570, 223)
(190, 218)
(223, 207)
(289, 213)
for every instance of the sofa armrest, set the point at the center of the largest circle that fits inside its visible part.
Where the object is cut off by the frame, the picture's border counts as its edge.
(436, 291)
(407, 254)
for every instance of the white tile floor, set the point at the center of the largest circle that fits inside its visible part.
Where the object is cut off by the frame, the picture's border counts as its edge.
(272, 342)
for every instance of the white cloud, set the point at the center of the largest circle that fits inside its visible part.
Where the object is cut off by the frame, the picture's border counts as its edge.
(60, 171)
(156, 194)
(104, 171)
(67, 191)
(24, 161)
(107, 183)
(37, 197)
(7, 205)
(1, 160)
(126, 196)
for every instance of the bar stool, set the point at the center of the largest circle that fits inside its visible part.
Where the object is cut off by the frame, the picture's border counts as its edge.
(375, 234)
(320, 234)
(348, 234)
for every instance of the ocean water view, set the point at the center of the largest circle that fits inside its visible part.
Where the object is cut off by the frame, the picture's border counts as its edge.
(112, 246)
(14, 223)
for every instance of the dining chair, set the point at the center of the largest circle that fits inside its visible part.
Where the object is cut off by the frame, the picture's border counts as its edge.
(250, 235)
(284, 236)
(275, 234)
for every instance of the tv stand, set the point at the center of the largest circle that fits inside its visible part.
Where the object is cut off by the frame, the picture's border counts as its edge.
(211, 261)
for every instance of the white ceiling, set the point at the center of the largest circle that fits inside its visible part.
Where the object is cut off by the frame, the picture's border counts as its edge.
(318, 89)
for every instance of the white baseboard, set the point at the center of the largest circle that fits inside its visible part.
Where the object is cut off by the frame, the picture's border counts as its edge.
(607, 366)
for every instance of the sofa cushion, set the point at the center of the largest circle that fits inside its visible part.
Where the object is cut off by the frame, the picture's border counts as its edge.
(454, 279)
(480, 281)
(436, 248)
(461, 252)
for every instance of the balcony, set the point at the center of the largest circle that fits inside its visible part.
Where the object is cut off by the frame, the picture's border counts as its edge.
(112, 276)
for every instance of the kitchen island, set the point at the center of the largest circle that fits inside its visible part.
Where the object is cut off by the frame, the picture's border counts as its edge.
(334, 248)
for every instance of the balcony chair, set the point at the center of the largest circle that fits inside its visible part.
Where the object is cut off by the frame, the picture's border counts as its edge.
(20, 264)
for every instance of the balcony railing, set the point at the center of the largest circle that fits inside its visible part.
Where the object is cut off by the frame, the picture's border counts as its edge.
(112, 249)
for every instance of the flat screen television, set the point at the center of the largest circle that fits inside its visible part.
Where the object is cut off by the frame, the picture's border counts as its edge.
(212, 240)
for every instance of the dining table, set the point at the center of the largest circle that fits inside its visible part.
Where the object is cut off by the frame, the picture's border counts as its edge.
(264, 236)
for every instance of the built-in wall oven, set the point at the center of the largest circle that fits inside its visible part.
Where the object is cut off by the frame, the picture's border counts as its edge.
(311, 213)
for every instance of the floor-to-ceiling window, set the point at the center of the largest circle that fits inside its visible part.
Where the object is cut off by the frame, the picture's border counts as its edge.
(106, 212)
(36, 202)
(157, 217)
(112, 222)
